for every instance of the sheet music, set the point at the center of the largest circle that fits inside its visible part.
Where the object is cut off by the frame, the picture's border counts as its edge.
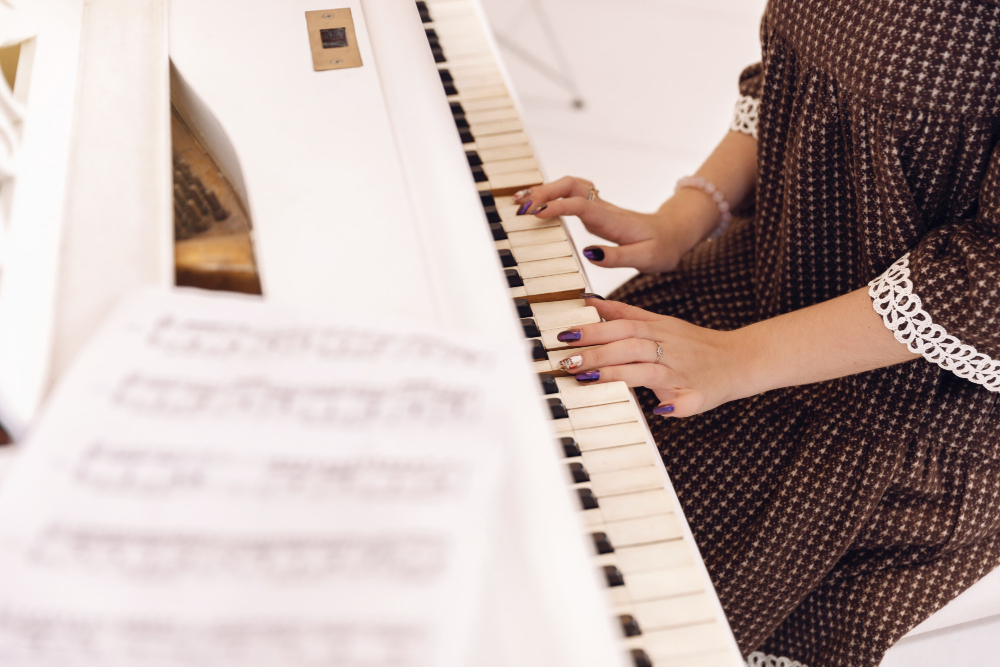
(224, 481)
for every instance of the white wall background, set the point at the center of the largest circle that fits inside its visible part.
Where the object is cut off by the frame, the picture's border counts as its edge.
(659, 80)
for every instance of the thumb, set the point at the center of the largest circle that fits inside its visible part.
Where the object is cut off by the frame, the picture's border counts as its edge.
(634, 255)
(684, 403)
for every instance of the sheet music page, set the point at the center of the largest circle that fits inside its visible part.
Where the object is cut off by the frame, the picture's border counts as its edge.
(224, 481)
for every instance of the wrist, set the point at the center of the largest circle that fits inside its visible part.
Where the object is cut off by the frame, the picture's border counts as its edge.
(750, 356)
(689, 216)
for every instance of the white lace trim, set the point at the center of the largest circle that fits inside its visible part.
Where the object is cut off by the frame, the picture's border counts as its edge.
(758, 659)
(745, 115)
(903, 314)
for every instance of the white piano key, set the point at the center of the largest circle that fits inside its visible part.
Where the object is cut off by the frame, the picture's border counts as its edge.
(498, 140)
(516, 179)
(548, 267)
(465, 60)
(617, 458)
(614, 435)
(489, 155)
(518, 292)
(478, 94)
(562, 426)
(634, 505)
(493, 115)
(539, 251)
(519, 223)
(502, 245)
(555, 286)
(550, 308)
(689, 642)
(644, 530)
(673, 612)
(601, 415)
(565, 319)
(576, 395)
(643, 586)
(663, 555)
(496, 127)
(488, 103)
(630, 480)
(494, 169)
(469, 81)
(535, 236)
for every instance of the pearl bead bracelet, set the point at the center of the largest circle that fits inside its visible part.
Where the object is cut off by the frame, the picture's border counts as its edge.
(713, 191)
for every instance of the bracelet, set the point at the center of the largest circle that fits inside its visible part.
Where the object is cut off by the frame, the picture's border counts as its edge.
(712, 190)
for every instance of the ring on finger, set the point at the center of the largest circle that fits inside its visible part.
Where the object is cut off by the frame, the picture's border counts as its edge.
(593, 193)
(659, 352)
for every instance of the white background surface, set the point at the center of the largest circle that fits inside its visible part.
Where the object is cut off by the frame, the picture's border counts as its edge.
(659, 79)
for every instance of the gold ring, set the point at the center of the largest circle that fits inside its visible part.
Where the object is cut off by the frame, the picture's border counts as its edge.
(659, 352)
(593, 193)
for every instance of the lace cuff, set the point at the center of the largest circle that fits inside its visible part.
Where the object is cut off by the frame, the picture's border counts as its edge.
(745, 115)
(758, 659)
(903, 313)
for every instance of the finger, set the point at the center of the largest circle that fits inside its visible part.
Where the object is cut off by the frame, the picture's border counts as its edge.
(606, 332)
(578, 206)
(616, 310)
(567, 186)
(634, 375)
(628, 351)
(634, 255)
(679, 403)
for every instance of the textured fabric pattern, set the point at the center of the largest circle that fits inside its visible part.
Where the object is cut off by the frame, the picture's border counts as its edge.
(835, 517)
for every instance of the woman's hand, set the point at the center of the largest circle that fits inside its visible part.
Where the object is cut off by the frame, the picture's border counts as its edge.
(649, 242)
(699, 368)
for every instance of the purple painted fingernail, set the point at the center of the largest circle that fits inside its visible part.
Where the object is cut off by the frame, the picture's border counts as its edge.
(570, 336)
(589, 376)
(593, 253)
(663, 410)
(539, 209)
(591, 295)
(571, 363)
(524, 207)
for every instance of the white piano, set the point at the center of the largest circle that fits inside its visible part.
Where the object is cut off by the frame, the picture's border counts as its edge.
(381, 187)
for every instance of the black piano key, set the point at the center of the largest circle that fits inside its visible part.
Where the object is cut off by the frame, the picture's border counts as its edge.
(425, 15)
(479, 175)
(507, 259)
(498, 232)
(557, 408)
(432, 35)
(492, 215)
(570, 448)
(473, 158)
(445, 76)
(513, 277)
(461, 123)
(579, 473)
(487, 199)
(613, 576)
(589, 502)
(523, 308)
(450, 89)
(640, 659)
(601, 542)
(630, 626)
(548, 384)
(466, 137)
(438, 55)
(530, 328)
(456, 109)
(538, 352)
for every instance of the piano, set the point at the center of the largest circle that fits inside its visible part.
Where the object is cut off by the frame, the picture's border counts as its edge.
(250, 164)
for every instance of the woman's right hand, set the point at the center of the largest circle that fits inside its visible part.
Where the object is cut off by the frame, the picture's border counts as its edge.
(649, 242)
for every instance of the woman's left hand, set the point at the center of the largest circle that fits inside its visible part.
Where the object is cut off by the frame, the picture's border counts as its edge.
(699, 369)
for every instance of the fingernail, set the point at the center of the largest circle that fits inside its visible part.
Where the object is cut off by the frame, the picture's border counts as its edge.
(524, 207)
(663, 410)
(569, 336)
(521, 194)
(589, 376)
(539, 209)
(591, 295)
(571, 363)
(593, 253)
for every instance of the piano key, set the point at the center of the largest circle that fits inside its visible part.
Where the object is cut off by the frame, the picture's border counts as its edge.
(542, 366)
(479, 93)
(579, 473)
(511, 152)
(614, 435)
(538, 351)
(548, 267)
(615, 458)
(520, 223)
(498, 140)
(692, 641)
(568, 445)
(519, 293)
(567, 318)
(633, 505)
(537, 252)
(576, 395)
(552, 307)
(513, 278)
(496, 127)
(601, 415)
(463, 82)
(530, 327)
(502, 244)
(663, 555)
(557, 409)
(643, 586)
(548, 383)
(515, 180)
(524, 308)
(507, 259)
(550, 288)
(673, 612)
(588, 502)
(494, 169)
(630, 480)
(535, 236)
(638, 658)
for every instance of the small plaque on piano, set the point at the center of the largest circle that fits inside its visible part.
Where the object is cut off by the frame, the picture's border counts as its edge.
(332, 39)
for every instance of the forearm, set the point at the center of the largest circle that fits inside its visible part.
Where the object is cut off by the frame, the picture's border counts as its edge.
(840, 337)
(732, 166)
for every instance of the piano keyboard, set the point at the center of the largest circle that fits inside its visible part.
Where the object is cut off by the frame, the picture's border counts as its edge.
(657, 584)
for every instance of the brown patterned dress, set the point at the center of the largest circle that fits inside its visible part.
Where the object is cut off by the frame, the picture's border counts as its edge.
(835, 517)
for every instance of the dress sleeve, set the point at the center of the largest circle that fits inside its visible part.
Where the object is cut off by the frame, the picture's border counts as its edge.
(942, 299)
(748, 103)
